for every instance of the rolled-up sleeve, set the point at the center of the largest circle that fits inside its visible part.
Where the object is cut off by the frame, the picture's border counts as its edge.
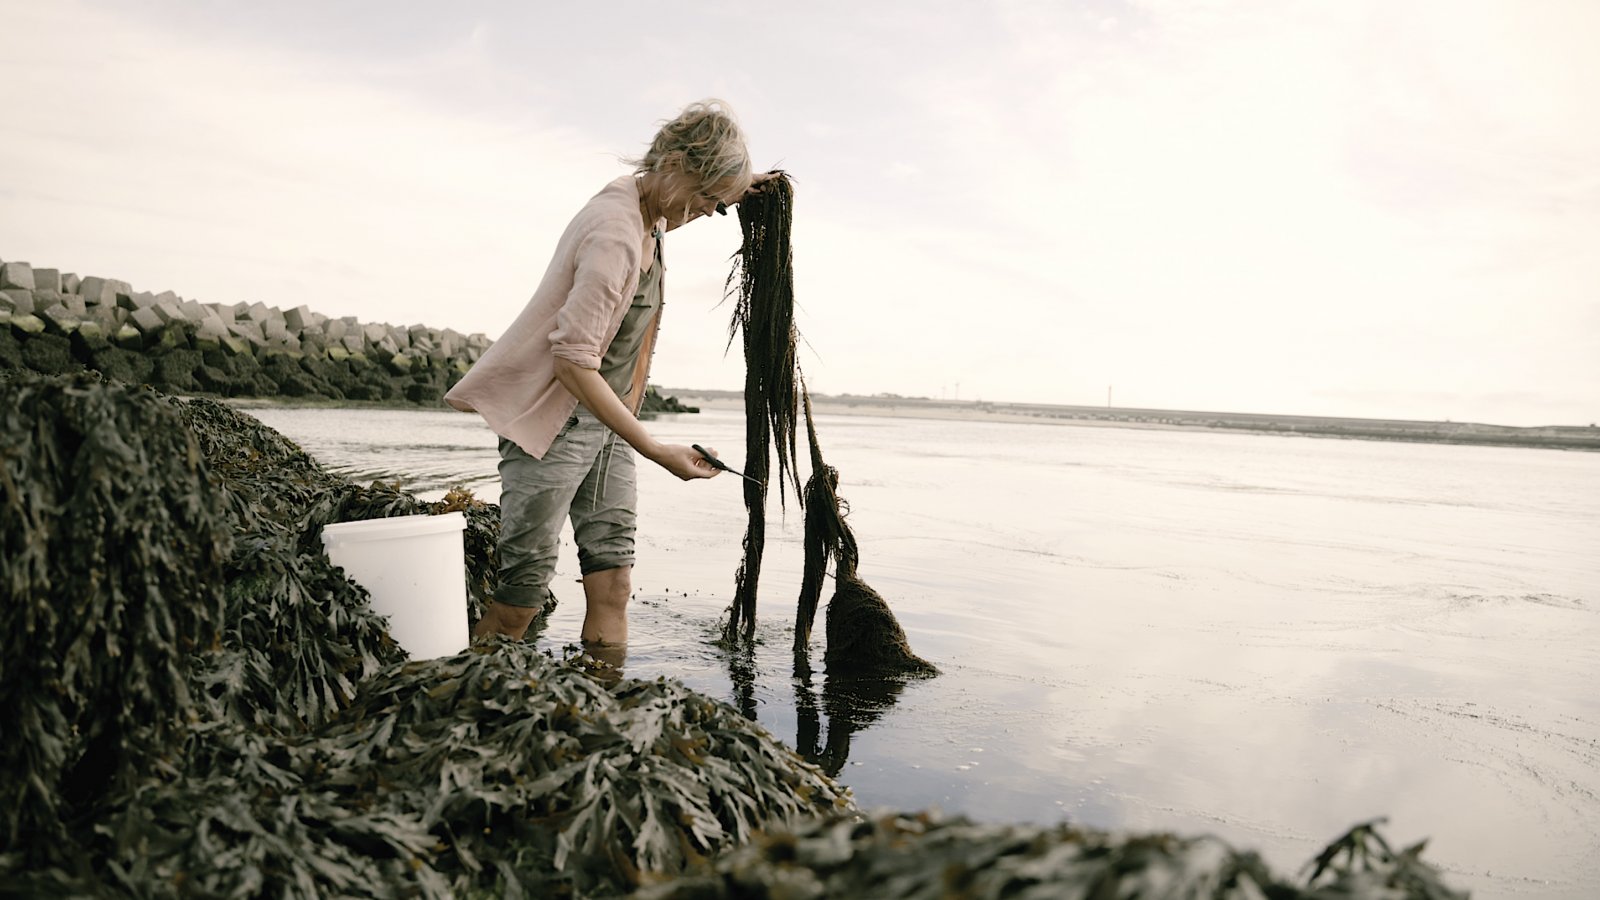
(605, 264)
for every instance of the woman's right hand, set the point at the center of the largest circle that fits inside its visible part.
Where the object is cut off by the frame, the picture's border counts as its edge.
(684, 462)
(759, 180)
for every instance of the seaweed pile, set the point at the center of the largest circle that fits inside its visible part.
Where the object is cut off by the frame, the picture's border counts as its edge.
(864, 637)
(205, 705)
(497, 770)
(927, 857)
(110, 580)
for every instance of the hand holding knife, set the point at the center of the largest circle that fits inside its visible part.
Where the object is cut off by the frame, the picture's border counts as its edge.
(717, 463)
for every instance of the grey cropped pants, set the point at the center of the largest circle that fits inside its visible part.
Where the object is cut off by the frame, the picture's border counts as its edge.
(588, 474)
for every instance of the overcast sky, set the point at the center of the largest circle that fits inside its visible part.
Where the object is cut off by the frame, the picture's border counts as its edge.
(1384, 209)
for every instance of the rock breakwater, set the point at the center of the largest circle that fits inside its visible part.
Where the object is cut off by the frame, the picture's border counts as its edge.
(53, 322)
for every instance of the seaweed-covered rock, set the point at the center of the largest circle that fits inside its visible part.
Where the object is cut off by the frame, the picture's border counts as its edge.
(656, 403)
(114, 539)
(424, 392)
(10, 351)
(127, 366)
(49, 354)
(175, 370)
(926, 857)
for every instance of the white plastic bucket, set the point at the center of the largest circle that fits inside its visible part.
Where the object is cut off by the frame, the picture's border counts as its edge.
(415, 569)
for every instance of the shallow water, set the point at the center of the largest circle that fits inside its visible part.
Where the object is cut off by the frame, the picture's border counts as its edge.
(1264, 637)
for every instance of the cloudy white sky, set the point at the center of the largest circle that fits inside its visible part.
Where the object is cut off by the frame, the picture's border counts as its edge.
(1386, 209)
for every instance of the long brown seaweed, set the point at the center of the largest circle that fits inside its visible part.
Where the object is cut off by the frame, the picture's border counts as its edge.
(869, 638)
(764, 315)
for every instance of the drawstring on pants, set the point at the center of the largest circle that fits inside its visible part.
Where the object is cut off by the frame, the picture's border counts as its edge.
(605, 468)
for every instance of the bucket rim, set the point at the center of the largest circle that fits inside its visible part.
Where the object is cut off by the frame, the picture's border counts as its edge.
(392, 527)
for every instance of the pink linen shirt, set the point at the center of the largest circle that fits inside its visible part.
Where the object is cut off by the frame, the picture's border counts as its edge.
(573, 315)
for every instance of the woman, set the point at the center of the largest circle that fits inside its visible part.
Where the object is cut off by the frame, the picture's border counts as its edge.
(566, 379)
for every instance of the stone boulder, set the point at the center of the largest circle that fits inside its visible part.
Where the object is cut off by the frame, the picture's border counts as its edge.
(60, 320)
(17, 301)
(96, 291)
(91, 336)
(47, 280)
(249, 331)
(298, 318)
(17, 275)
(131, 300)
(169, 311)
(27, 324)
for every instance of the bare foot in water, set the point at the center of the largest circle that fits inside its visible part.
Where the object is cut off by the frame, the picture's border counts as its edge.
(609, 660)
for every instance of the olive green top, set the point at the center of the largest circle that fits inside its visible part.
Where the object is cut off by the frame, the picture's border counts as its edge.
(617, 366)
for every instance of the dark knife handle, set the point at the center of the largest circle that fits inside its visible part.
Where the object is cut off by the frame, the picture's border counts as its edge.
(715, 463)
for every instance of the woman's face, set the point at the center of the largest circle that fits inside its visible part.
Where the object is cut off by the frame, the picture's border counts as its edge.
(684, 199)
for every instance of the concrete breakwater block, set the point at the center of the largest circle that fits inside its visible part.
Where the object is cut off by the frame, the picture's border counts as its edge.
(210, 325)
(128, 337)
(96, 290)
(47, 280)
(28, 324)
(17, 300)
(16, 275)
(90, 336)
(60, 320)
(147, 320)
(298, 318)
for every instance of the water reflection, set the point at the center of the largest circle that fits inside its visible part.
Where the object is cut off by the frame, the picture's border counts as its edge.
(741, 663)
(846, 706)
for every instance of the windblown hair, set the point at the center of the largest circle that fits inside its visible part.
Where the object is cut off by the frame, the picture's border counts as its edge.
(704, 141)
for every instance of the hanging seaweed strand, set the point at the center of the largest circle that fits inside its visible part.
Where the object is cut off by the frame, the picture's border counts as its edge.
(864, 637)
(863, 634)
(764, 315)
(828, 538)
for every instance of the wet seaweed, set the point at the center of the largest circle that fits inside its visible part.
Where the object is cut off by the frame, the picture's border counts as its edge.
(275, 740)
(827, 538)
(927, 857)
(497, 771)
(113, 544)
(1361, 864)
(763, 315)
(865, 640)
(869, 638)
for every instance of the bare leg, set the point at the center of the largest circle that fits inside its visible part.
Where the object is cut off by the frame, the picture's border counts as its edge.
(606, 618)
(502, 618)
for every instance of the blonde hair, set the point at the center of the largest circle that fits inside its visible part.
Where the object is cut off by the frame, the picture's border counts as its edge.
(704, 141)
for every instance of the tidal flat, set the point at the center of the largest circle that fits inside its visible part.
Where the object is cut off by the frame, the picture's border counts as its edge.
(1260, 637)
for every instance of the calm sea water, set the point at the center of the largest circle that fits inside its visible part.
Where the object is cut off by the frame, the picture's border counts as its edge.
(1267, 638)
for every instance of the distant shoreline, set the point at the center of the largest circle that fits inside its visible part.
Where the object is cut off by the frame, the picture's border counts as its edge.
(1550, 437)
(1553, 437)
